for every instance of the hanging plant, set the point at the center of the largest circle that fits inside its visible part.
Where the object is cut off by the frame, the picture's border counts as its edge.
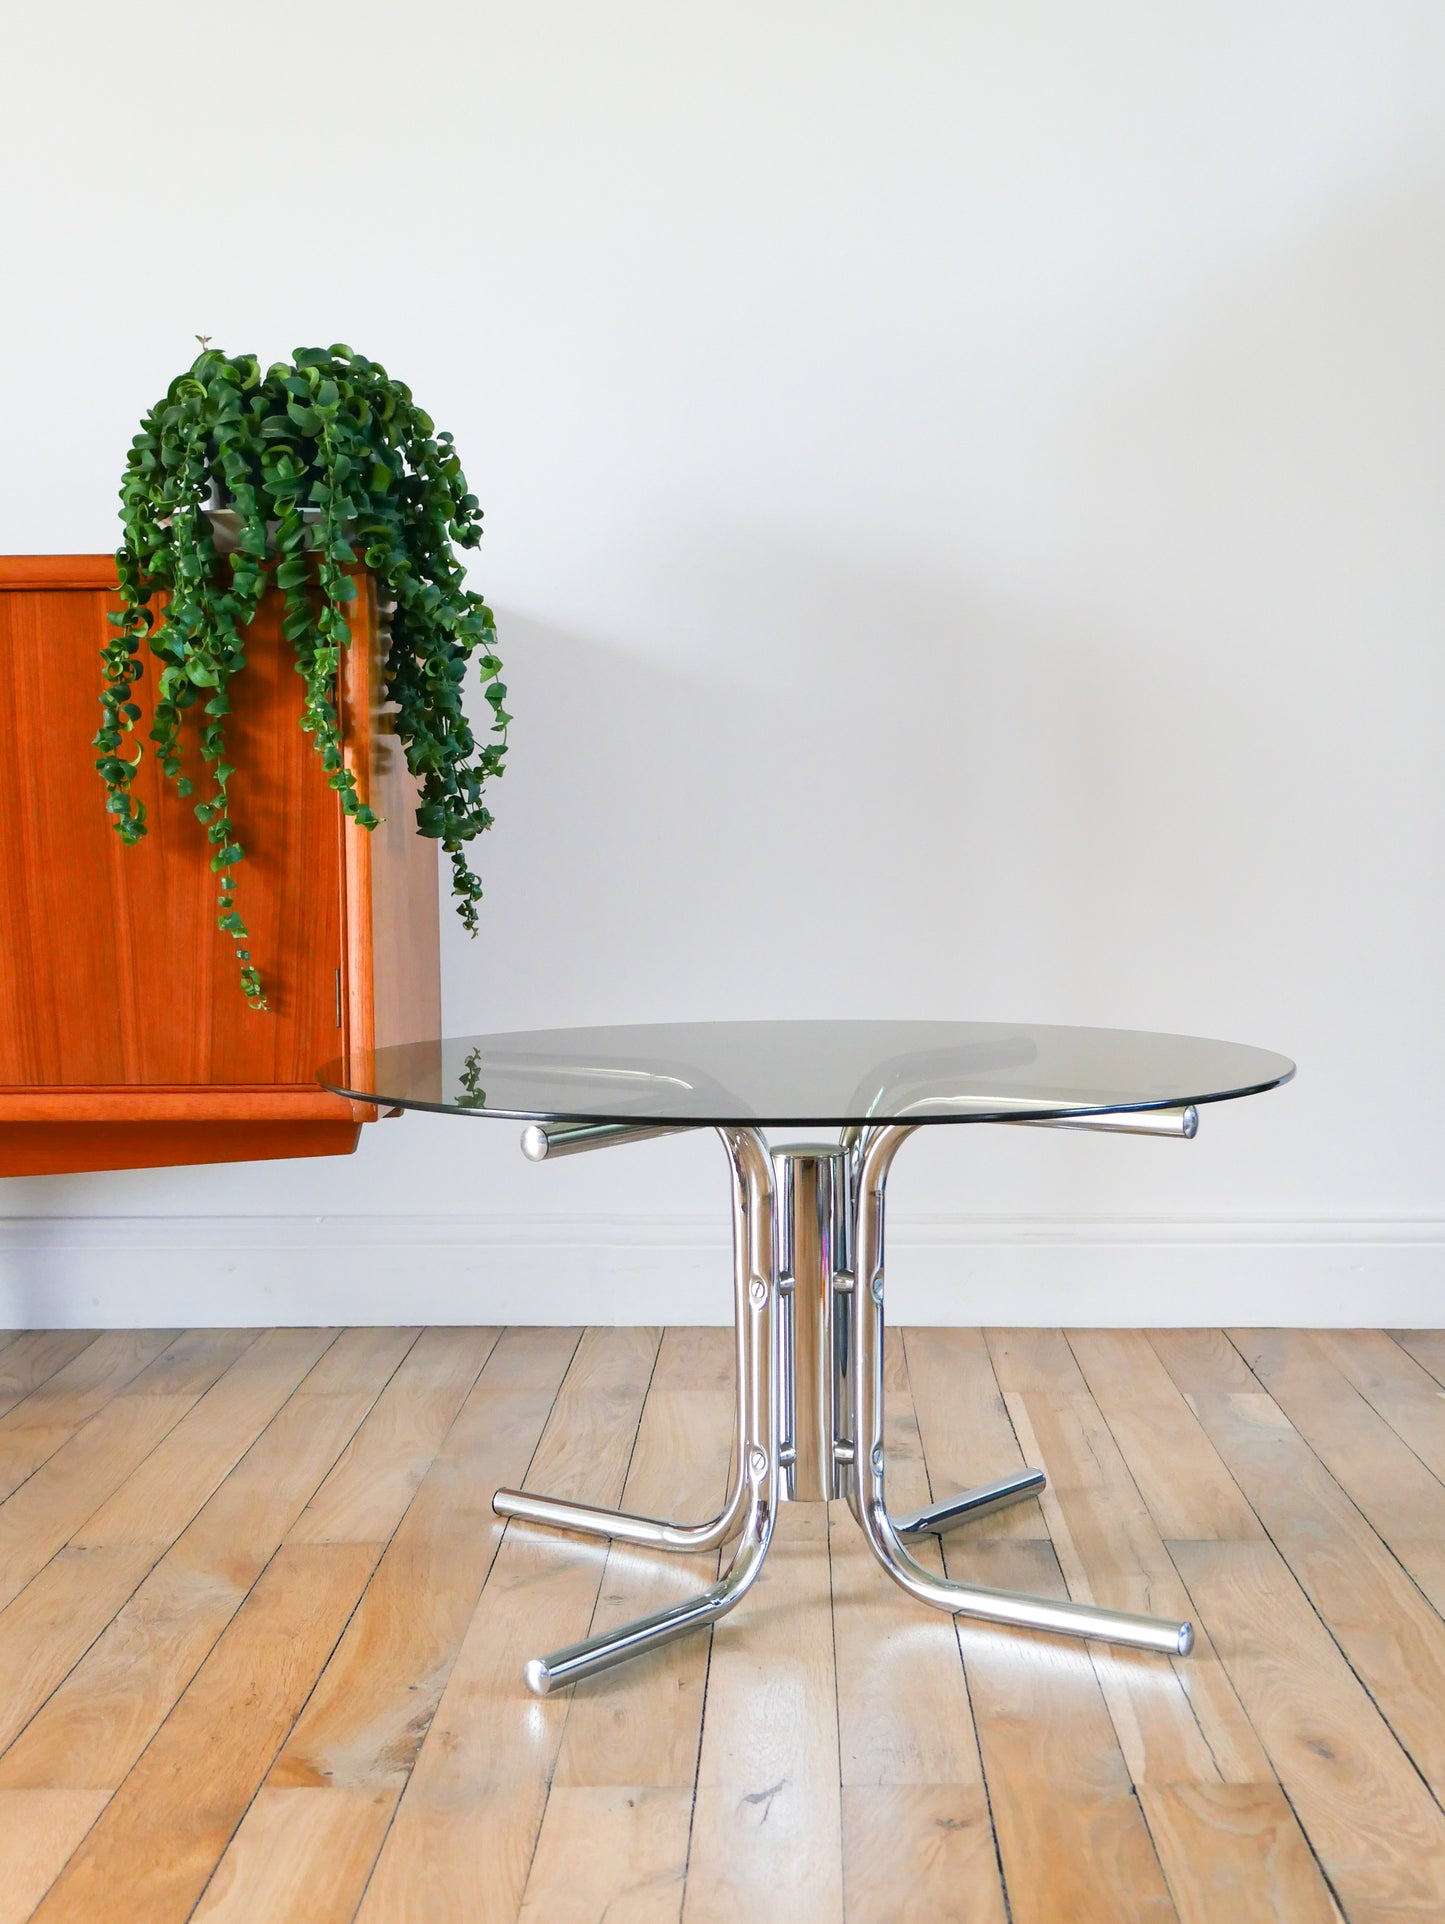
(321, 462)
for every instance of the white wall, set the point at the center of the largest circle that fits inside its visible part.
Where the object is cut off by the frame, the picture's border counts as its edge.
(964, 490)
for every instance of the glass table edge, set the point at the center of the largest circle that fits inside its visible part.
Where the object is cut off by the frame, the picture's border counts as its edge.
(1055, 1113)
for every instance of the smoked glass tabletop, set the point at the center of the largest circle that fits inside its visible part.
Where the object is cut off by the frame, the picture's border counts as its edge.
(806, 1074)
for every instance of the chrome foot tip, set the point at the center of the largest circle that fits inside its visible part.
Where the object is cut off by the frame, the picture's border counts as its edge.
(537, 1677)
(1186, 1639)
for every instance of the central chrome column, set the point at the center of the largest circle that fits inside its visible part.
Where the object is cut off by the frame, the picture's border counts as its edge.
(814, 1222)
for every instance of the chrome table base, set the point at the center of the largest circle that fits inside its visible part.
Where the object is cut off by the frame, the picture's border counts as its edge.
(808, 1290)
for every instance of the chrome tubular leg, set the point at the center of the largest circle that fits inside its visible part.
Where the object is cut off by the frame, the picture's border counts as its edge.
(757, 1446)
(996, 1606)
(810, 1186)
(934, 1518)
(652, 1532)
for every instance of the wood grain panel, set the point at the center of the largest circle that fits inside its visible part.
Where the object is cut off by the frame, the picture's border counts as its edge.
(103, 1065)
(103, 935)
(393, 927)
(60, 1148)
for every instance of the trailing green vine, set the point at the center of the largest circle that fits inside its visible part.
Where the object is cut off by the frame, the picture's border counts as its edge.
(324, 464)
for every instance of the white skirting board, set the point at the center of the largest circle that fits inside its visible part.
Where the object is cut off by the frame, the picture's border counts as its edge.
(159, 1272)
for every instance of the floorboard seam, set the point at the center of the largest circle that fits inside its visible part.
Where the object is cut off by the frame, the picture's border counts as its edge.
(86, 1421)
(501, 1539)
(135, 1468)
(356, 1605)
(1435, 1795)
(117, 1788)
(592, 1617)
(220, 1855)
(150, 1568)
(1008, 1909)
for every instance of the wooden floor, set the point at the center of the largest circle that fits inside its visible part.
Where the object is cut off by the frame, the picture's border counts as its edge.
(261, 1637)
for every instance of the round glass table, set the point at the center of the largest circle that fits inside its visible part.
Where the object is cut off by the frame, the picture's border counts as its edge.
(808, 1267)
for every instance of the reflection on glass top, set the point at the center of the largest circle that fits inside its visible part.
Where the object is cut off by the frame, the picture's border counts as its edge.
(803, 1074)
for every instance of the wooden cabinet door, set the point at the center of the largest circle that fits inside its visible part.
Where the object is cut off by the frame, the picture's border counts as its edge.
(113, 971)
(120, 1005)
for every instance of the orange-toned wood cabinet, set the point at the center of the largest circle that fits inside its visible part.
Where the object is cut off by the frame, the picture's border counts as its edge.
(125, 1041)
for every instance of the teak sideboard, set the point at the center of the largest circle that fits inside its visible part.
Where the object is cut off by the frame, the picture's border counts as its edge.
(125, 1041)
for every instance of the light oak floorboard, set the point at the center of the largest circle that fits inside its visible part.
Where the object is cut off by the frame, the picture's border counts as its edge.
(1202, 1359)
(767, 1823)
(38, 1831)
(149, 1856)
(96, 1724)
(366, 1719)
(964, 1426)
(648, 1734)
(1235, 1854)
(366, 1494)
(1393, 1638)
(50, 1508)
(1394, 1384)
(1402, 1499)
(919, 1854)
(162, 1494)
(1427, 1346)
(32, 1356)
(617, 1853)
(1188, 1490)
(1070, 1830)
(1377, 1831)
(903, 1710)
(1034, 1359)
(300, 1857)
(345, 1762)
(61, 1610)
(261, 1656)
(34, 1429)
(1178, 1721)
(461, 1843)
